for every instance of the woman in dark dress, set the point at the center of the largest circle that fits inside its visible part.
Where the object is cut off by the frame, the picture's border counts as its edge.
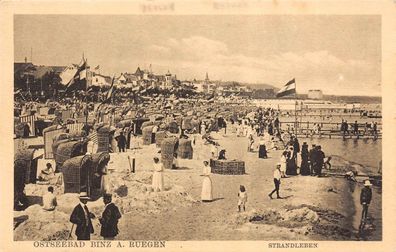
(304, 169)
(262, 149)
(291, 167)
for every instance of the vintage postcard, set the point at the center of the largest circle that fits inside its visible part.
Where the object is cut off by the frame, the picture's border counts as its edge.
(198, 126)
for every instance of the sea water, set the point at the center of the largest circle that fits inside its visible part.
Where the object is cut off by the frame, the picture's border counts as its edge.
(366, 152)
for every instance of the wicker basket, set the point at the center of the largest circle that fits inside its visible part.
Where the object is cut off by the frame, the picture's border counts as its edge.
(227, 167)
(168, 147)
(68, 150)
(103, 138)
(147, 135)
(173, 127)
(78, 174)
(25, 156)
(185, 150)
(159, 137)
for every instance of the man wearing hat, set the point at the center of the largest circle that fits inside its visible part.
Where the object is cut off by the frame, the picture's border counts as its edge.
(277, 181)
(82, 218)
(222, 154)
(109, 219)
(365, 198)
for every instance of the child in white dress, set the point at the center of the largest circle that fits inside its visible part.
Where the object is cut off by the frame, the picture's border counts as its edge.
(242, 198)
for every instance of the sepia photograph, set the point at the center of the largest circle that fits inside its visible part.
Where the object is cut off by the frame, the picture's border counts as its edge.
(199, 127)
(227, 125)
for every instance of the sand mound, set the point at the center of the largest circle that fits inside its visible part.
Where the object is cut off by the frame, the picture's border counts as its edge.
(41, 224)
(297, 217)
(302, 219)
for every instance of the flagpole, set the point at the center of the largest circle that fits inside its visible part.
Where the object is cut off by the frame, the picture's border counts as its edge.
(295, 110)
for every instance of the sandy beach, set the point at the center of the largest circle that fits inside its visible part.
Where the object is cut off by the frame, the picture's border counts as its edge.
(312, 208)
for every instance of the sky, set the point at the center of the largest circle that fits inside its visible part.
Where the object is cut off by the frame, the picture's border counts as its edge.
(340, 55)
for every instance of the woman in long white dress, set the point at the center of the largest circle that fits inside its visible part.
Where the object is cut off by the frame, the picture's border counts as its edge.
(207, 194)
(158, 177)
(283, 162)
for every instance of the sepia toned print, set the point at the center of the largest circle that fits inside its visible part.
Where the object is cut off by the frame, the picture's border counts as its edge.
(197, 128)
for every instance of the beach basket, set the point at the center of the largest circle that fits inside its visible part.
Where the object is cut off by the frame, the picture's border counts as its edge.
(99, 166)
(185, 150)
(173, 127)
(147, 135)
(78, 174)
(168, 147)
(24, 157)
(159, 137)
(67, 150)
(187, 123)
(103, 138)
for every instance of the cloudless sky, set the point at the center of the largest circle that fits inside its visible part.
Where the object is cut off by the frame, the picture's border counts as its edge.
(338, 54)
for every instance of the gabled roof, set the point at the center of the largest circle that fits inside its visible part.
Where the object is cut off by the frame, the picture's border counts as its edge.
(22, 66)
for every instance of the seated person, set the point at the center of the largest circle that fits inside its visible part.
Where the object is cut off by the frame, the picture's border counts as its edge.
(222, 154)
(47, 173)
(49, 200)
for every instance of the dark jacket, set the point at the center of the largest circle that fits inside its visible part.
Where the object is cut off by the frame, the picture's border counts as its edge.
(365, 195)
(109, 221)
(121, 141)
(320, 157)
(77, 217)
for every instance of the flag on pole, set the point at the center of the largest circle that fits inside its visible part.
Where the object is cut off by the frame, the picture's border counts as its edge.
(288, 89)
(79, 75)
(110, 92)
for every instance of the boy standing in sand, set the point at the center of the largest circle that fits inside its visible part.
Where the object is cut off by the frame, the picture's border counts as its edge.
(365, 198)
(277, 179)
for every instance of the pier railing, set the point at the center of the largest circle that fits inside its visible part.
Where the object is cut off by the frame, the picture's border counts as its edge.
(331, 129)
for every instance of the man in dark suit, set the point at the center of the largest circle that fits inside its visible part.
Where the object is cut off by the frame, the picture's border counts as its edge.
(82, 218)
(109, 219)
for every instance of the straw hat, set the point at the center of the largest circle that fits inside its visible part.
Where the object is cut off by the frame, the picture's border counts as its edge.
(83, 195)
(367, 183)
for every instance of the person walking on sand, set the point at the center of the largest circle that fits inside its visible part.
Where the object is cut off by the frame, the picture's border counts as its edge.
(277, 181)
(207, 193)
(242, 198)
(82, 218)
(109, 219)
(365, 199)
(158, 177)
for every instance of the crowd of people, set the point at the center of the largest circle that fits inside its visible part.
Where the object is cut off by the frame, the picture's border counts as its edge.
(262, 130)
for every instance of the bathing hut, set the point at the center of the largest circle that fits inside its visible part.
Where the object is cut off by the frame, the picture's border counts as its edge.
(103, 138)
(78, 173)
(27, 165)
(147, 135)
(185, 150)
(159, 137)
(168, 148)
(69, 150)
(99, 163)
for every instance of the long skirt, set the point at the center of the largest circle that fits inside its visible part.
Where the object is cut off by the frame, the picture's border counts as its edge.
(262, 152)
(158, 181)
(304, 169)
(283, 167)
(207, 194)
(105, 184)
(291, 167)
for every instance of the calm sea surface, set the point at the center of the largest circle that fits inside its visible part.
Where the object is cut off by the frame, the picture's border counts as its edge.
(365, 152)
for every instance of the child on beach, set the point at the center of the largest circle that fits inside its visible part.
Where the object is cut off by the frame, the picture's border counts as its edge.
(242, 198)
